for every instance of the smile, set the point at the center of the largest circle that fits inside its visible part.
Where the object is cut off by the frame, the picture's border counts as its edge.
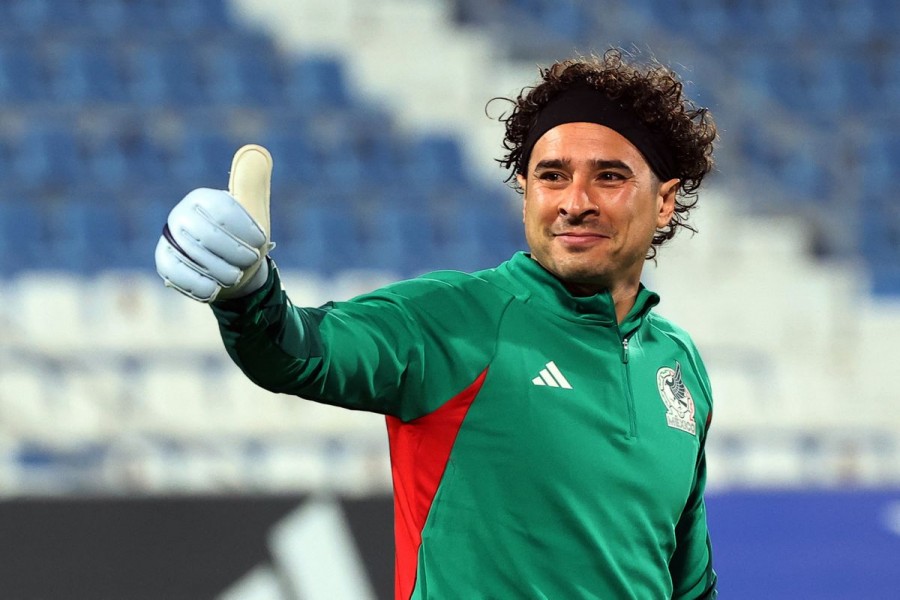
(580, 238)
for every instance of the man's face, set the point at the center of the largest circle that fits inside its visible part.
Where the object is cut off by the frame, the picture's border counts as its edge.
(591, 206)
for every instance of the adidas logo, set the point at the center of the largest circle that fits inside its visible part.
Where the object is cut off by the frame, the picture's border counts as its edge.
(551, 376)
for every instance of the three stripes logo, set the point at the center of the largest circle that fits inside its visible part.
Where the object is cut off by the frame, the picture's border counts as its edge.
(551, 376)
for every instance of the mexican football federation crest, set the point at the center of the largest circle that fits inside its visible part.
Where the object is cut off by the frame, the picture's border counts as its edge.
(677, 398)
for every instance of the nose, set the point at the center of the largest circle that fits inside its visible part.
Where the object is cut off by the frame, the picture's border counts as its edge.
(577, 202)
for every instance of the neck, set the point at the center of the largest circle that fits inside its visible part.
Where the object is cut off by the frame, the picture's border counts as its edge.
(623, 295)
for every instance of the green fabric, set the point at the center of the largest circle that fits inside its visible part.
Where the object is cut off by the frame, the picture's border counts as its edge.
(549, 492)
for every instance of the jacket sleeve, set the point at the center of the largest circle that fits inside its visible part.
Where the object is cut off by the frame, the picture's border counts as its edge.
(691, 569)
(369, 353)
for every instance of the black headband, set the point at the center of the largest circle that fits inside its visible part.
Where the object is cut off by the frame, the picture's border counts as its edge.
(585, 104)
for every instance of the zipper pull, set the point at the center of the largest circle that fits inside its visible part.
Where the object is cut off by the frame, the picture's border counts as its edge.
(624, 350)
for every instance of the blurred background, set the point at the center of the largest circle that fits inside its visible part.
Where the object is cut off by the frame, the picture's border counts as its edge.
(136, 462)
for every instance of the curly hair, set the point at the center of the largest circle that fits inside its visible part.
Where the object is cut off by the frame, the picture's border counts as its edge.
(657, 95)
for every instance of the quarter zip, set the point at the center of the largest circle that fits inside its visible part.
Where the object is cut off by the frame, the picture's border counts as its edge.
(629, 392)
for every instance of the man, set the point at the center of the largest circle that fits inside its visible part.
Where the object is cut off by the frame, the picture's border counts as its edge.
(546, 428)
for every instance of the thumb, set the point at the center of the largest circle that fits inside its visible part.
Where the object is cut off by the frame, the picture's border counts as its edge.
(251, 182)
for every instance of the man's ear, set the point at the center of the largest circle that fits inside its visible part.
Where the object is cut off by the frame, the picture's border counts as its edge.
(665, 199)
(520, 179)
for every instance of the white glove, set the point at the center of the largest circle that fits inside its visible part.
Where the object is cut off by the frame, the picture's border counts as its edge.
(214, 243)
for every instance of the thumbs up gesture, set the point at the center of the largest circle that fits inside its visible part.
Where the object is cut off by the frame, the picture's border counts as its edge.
(214, 243)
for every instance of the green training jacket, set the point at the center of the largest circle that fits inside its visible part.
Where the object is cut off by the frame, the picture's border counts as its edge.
(538, 448)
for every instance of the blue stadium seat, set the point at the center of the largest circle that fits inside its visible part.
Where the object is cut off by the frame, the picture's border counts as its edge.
(147, 156)
(567, 19)
(241, 73)
(49, 155)
(21, 74)
(294, 157)
(887, 18)
(42, 16)
(106, 158)
(145, 211)
(109, 17)
(436, 158)
(479, 228)
(86, 74)
(191, 17)
(340, 142)
(22, 233)
(889, 80)
(711, 21)
(880, 160)
(162, 74)
(87, 233)
(859, 80)
(203, 156)
(885, 279)
(124, 151)
(853, 20)
(400, 239)
(783, 21)
(879, 237)
(325, 234)
(316, 83)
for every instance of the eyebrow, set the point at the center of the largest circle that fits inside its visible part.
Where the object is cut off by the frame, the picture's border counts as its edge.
(597, 164)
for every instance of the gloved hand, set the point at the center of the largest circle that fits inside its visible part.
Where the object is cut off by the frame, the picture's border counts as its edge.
(214, 243)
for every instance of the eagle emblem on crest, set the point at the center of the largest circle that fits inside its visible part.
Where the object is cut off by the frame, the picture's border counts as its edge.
(677, 398)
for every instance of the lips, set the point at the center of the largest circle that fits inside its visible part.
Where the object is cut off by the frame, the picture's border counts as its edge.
(578, 235)
(580, 239)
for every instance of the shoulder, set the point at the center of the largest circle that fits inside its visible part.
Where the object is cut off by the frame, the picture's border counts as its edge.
(449, 285)
(669, 329)
(442, 301)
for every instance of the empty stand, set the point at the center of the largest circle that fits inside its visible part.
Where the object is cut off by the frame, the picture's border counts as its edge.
(114, 109)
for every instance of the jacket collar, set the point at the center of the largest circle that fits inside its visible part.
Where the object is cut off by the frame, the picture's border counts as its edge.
(534, 283)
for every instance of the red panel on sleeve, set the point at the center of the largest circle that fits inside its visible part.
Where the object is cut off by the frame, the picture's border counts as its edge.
(420, 450)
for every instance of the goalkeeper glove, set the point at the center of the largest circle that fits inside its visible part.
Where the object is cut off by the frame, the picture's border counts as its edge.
(214, 243)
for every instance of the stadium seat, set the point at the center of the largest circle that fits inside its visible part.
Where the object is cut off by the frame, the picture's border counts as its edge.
(567, 19)
(339, 151)
(436, 159)
(121, 152)
(203, 156)
(68, 246)
(711, 20)
(86, 74)
(22, 235)
(294, 158)
(889, 80)
(109, 17)
(162, 74)
(21, 74)
(145, 212)
(39, 16)
(880, 157)
(196, 17)
(88, 233)
(107, 159)
(880, 233)
(316, 83)
(887, 18)
(241, 73)
(853, 20)
(49, 155)
(326, 235)
(401, 239)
